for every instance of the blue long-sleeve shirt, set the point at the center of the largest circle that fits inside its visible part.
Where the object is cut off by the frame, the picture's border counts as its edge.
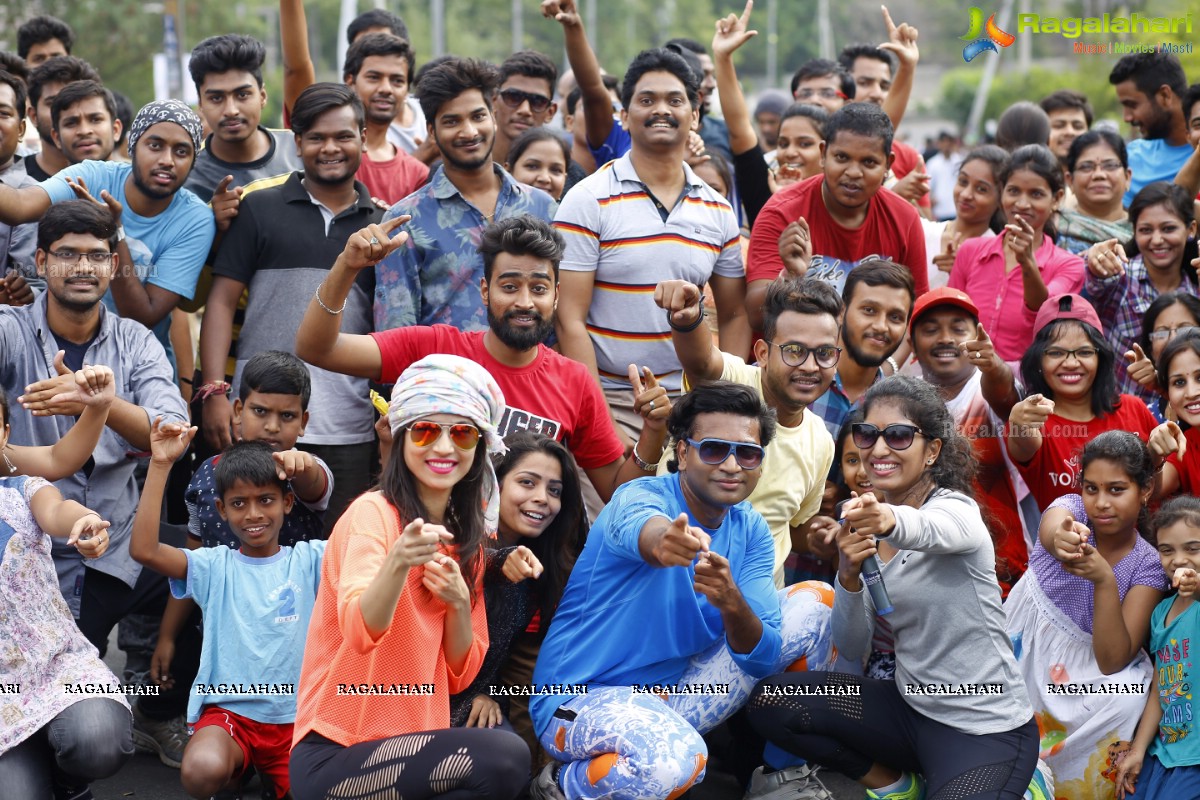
(623, 622)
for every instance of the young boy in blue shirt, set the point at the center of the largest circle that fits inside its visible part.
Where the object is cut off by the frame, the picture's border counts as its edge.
(257, 601)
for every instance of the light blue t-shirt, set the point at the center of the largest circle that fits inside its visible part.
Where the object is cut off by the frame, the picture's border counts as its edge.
(1178, 742)
(168, 250)
(623, 622)
(256, 614)
(1153, 160)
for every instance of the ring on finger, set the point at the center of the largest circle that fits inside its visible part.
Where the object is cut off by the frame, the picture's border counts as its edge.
(374, 240)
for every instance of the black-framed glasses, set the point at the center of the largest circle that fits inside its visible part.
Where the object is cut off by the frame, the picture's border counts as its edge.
(1062, 353)
(71, 257)
(513, 98)
(897, 436)
(1166, 334)
(716, 451)
(794, 355)
(425, 432)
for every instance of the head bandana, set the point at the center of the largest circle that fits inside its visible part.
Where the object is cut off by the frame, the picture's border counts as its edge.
(445, 384)
(166, 111)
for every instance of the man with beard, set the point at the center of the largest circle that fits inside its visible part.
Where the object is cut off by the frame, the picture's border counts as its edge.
(428, 280)
(643, 219)
(544, 392)
(278, 249)
(878, 298)
(165, 231)
(797, 358)
(957, 357)
(84, 122)
(377, 68)
(45, 82)
(1150, 89)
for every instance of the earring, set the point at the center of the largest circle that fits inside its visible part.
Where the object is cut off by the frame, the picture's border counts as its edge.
(930, 462)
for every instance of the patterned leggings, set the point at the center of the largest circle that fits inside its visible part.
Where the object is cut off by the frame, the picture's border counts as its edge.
(620, 744)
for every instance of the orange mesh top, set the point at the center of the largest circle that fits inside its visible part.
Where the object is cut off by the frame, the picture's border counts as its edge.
(357, 689)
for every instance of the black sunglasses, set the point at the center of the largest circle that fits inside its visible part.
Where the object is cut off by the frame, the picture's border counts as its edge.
(716, 451)
(897, 436)
(513, 98)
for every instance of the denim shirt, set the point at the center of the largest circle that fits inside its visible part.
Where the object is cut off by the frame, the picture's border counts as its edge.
(106, 484)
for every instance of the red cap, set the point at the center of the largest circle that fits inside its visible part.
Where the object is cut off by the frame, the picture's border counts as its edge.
(1066, 306)
(945, 296)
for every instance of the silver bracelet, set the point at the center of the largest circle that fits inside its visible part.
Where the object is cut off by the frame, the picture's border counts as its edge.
(321, 303)
(643, 465)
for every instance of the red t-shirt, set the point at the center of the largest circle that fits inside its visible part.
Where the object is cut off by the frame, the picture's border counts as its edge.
(393, 180)
(1054, 469)
(891, 230)
(1189, 468)
(906, 160)
(554, 395)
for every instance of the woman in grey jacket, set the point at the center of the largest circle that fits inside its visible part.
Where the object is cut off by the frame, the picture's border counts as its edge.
(956, 721)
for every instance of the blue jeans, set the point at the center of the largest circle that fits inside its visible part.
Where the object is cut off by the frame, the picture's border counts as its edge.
(92, 739)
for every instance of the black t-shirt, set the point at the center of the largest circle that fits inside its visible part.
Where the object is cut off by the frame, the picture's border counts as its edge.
(74, 353)
(34, 170)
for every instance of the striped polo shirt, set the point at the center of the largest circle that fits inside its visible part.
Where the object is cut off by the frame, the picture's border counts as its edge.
(612, 227)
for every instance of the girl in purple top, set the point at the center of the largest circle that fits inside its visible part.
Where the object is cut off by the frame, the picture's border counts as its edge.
(1079, 616)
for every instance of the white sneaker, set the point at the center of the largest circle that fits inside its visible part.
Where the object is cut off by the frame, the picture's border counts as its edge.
(793, 783)
(544, 787)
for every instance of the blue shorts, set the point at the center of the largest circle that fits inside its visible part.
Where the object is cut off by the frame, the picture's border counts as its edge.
(1167, 783)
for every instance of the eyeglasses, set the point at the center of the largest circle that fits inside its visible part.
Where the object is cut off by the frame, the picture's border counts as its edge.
(71, 257)
(716, 451)
(425, 433)
(513, 98)
(1088, 167)
(1166, 334)
(794, 355)
(824, 94)
(1062, 354)
(897, 436)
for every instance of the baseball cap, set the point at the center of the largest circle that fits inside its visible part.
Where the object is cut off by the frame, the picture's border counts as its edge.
(944, 296)
(1066, 306)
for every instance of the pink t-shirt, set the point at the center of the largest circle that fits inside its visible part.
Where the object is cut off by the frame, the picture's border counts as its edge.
(1000, 297)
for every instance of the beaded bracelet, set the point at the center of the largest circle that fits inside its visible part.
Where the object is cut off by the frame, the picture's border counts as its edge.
(209, 389)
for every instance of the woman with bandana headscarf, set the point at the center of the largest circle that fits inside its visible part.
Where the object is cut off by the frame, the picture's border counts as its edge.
(399, 624)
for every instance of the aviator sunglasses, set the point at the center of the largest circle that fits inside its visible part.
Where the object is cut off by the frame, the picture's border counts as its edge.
(424, 433)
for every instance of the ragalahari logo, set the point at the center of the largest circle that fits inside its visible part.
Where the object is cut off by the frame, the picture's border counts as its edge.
(993, 36)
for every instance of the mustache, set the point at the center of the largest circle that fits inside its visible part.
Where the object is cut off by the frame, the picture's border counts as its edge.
(674, 123)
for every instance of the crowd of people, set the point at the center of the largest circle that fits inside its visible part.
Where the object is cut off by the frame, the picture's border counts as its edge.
(674, 442)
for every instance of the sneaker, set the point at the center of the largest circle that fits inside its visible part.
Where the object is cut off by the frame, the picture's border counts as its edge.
(913, 789)
(165, 739)
(793, 783)
(544, 786)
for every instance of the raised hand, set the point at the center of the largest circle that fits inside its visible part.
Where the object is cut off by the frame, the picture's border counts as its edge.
(1019, 240)
(867, 516)
(1167, 440)
(1089, 565)
(1140, 367)
(680, 543)
(561, 11)
(1186, 581)
(795, 248)
(57, 395)
(15, 290)
(521, 564)
(731, 32)
(1030, 414)
(374, 243)
(1106, 259)
(294, 464)
(1069, 539)
(980, 351)
(854, 547)
(713, 579)
(902, 40)
(169, 441)
(650, 399)
(418, 543)
(944, 260)
(80, 187)
(89, 535)
(682, 300)
(822, 537)
(445, 582)
(695, 155)
(913, 186)
(225, 203)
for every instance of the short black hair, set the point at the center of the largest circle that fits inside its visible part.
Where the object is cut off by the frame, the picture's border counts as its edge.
(124, 113)
(573, 97)
(1148, 71)
(321, 97)
(1022, 123)
(251, 462)
(73, 93)
(521, 235)
(13, 64)
(76, 216)
(18, 87)
(1190, 98)
(718, 397)
(43, 29)
(440, 84)
(1067, 99)
(227, 53)
(376, 18)
(376, 44)
(60, 69)
(801, 295)
(853, 52)
(819, 68)
(276, 372)
(879, 272)
(864, 119)
(660, 60)
(529, 64)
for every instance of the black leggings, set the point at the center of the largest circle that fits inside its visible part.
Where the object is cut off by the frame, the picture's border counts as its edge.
(456, 764)
(849, 733)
